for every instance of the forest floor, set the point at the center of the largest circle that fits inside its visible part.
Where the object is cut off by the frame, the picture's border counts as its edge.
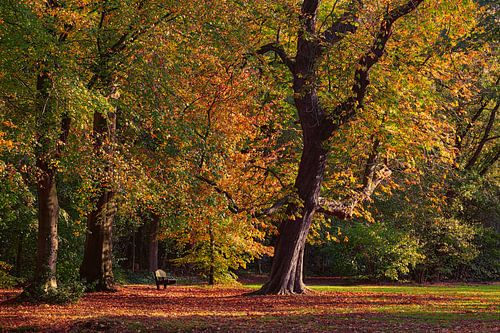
(361, 308)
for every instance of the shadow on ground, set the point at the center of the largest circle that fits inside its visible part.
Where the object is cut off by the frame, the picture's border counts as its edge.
(203, 309)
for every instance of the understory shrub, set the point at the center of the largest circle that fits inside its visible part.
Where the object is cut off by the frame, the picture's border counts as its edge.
(449, 249)
(65, 293)
(372, 250)
(7, 280)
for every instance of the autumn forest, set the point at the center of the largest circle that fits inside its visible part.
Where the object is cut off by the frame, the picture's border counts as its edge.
(265, 152)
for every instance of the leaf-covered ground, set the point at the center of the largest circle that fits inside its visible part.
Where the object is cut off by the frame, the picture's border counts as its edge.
(139, 308)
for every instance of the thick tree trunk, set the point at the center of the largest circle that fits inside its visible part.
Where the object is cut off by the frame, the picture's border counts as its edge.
(47, 244)
(287, 270)
(97, 259)
(153, 243)
(96, 267)
(317, 128)
(48, 206)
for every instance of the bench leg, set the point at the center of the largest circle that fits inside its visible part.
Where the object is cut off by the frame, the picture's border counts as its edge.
(158, 286)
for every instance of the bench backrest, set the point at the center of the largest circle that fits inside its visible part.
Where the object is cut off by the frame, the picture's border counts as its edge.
(159, 273)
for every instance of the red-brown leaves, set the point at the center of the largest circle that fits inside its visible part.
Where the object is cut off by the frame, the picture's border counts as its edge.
(185, 308)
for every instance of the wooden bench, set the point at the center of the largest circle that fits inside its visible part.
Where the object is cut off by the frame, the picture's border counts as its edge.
(162, 279)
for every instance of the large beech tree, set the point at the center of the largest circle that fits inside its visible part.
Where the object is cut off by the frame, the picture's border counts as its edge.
(114, 39)
(35, 75)
(319, 125)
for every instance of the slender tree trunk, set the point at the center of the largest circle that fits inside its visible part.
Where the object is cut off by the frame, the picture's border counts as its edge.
(139, 244)
(19, 255)
(153, 243)
(132, 267)
(211, 272)
(143, 247)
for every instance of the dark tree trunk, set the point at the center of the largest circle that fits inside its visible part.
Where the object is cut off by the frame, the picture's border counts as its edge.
(153, 243)
(211, 271)
(287, 270)
(317, 128)
(47, 150)
(48, 205)
(97, 259)
(143, 247)
(139, 245)
(96, 267)
(47, 244)
(19, 255)
(132, 266)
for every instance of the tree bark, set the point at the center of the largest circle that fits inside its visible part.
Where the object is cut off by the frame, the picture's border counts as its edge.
(47, 244)
(48, 206)
(97, 264)
(287, 270)
(96, 267)
(211, 270)
(153, 243)
(317, 127)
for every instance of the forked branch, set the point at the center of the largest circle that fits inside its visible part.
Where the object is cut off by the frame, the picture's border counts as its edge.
(346, 23)
(347, 109)
(278, 49)
(344, 209)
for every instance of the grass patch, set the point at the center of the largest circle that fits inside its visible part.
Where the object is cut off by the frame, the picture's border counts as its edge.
(492, 291)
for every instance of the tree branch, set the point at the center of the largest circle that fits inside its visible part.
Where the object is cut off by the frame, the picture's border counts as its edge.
(370, 58)
(371, 163)
(63, 136)
(489, 163)
(273, 209)
(272, 172)
(308, 15)
(373, 175)
(131, 36)
(344, 209)
(278, 49)
(347, 109)
(461, 135)
(484, 139)
(346, 23)
(233, 207)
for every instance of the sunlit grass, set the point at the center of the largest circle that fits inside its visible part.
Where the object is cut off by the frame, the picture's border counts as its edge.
(452, 302)
(489, 290)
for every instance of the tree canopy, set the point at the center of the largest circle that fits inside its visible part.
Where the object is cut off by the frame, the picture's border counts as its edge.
(221, 130)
